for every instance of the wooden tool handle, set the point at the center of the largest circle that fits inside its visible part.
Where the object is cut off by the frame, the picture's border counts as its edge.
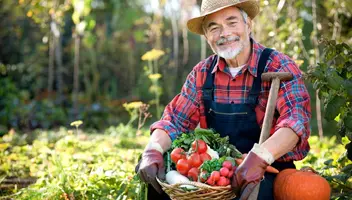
(270, 110)
(283, 76)
(268, 119)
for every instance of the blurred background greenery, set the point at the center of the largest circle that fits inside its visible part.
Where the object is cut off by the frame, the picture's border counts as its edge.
(62, 60)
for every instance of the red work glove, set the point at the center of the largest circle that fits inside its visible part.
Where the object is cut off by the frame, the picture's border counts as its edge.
(151, 166)
(249, 173)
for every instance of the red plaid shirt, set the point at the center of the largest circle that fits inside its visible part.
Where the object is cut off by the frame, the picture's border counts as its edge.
(184, 112)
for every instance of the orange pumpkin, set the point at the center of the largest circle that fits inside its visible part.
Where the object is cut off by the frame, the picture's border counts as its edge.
(292, 184)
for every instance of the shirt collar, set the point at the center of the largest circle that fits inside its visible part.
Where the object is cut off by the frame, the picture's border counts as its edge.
(251, 65)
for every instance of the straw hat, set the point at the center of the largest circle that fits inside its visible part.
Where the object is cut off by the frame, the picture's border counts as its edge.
(251, 7)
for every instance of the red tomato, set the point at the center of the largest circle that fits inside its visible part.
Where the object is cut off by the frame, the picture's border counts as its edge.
(199, 146)
(204, 157)
(203, 176)
(230, 174)
(227, 164)
(224, 171)
(194, 160)
(193, 174)
(215, 175)
(182, 166)
(177, 154)
(223, 181)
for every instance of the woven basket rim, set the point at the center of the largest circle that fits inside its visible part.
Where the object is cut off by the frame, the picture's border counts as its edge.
(200, 192)
(193, 183)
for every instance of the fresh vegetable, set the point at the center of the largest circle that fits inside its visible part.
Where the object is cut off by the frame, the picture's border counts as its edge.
(215, 175)
(211, 138)
(193, 174)
(173, 177)
(212, 153)
(230, 174)
(228, 150)
(177, 154)
(203, 176)
(204, 157)
(199, 146)
(183, 166)
(223, 181)
(234, 168)
(224, 171)
(291, 184)
(210, 181)
(227, 164)
(194, 160)
(212, 165)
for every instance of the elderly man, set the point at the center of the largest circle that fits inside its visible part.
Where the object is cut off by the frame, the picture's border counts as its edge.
(225, 92)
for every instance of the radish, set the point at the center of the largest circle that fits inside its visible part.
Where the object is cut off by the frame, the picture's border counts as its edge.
(173, 177)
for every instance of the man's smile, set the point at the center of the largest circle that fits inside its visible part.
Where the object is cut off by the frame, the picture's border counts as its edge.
(227, 43)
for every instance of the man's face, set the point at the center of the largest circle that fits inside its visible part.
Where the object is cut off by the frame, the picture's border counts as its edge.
(227, 33)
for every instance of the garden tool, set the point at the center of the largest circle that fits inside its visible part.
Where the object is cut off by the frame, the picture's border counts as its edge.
(275, 78)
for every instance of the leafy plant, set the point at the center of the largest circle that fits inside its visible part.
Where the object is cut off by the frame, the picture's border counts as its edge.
(72, 167)
(333, 79)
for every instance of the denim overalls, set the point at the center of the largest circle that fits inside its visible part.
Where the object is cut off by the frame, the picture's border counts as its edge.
(239, 122)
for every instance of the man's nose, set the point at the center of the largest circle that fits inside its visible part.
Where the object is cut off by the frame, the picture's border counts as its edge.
(224, 32)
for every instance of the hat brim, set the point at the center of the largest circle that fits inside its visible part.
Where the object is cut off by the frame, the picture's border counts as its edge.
(250, 7)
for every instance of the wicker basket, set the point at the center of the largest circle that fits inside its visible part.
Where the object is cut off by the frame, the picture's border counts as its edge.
(201, 191)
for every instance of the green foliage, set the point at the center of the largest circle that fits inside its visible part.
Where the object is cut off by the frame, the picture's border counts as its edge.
(77, 166)
(212, 165)
(333, 79)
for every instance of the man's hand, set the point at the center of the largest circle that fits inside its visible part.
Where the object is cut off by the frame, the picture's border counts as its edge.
(248, 174)
(151, 166)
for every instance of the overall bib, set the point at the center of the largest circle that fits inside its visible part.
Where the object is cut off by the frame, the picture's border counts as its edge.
(239, 122)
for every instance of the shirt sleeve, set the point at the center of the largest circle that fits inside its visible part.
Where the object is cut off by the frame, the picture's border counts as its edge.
(293, 105)
(181, 115)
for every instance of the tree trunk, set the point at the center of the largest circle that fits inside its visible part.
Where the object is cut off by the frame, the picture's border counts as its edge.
(51, 63)
(59, 71)
(317, 58)
(337, 24)
(76, 75)
(176, 47)
(185, 45)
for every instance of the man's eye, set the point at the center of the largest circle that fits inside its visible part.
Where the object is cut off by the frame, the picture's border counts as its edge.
(233, 23)
(213, 29)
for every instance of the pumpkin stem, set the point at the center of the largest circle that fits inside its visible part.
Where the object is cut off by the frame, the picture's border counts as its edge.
(308, 169)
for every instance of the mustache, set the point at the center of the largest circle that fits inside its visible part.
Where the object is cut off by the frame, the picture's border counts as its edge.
(228, 39)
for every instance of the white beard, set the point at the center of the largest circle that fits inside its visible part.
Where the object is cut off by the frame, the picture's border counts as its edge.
(231, 53)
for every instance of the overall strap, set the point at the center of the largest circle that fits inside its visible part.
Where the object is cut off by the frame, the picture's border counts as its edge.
(208, 87)
(256, 87)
